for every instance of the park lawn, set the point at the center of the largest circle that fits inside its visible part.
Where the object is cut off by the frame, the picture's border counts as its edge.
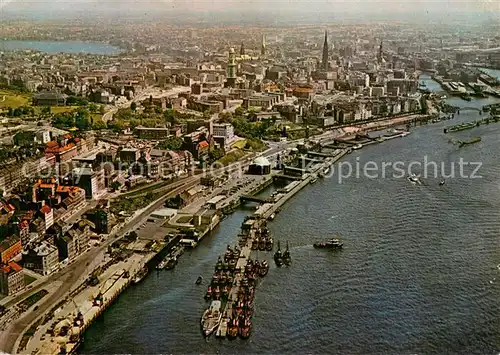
(13, 99)
(239, 144)
(232, 157)
(62, 109)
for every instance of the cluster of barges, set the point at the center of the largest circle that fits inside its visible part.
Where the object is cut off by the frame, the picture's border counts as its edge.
(223, 277)
(263, 240)
(239, 322)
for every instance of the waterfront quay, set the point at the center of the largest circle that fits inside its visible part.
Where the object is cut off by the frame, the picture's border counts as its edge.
(44, 335)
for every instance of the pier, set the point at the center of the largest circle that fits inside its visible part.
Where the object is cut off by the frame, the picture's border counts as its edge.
(258, 199)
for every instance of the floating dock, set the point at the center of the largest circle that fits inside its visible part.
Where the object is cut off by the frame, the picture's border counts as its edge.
(469, 125)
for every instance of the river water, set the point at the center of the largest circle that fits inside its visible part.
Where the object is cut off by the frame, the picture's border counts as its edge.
(418, 273)
(59, 47)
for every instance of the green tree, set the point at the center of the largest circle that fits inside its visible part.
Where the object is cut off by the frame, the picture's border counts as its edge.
(133, 106)
(46, 110)
(115, 185)
(99, 124)
(82, 119)
(93, 108)
(102, 110)
(171, 143)
(239, 111)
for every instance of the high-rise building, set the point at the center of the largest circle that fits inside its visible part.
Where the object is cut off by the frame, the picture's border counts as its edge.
(325, 52)
(242, 49)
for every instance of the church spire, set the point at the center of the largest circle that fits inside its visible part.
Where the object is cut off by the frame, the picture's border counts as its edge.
(380, 56)
(324, 62)
(263, 47)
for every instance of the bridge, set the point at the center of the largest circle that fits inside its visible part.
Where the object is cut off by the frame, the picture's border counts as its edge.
(250, 198)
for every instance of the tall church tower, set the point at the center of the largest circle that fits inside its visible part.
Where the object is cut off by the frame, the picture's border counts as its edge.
(324, 62)
(263, 47)
(231, 69)
(380, 55)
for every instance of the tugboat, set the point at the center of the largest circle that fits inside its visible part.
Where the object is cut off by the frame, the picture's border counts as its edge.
(211, 318)
(233, 328)
(287, 259)
(245, 329)
(199, 280)
(278, 257)
(331, 244)
(264, 268)
(269, 244)
(208, 295)
(170, 263)
(262, 244)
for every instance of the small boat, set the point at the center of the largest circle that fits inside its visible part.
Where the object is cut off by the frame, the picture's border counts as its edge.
(442, 182)
(357, 146)
(314, 179)
(199, 280)
(211, 318)
(413, 179)
(331, 244)
(271, 217)
(141, 275)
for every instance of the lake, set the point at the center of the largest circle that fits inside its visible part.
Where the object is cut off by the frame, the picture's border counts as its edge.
(60, 47)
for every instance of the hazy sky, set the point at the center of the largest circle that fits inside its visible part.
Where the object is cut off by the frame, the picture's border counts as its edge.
(320, 6)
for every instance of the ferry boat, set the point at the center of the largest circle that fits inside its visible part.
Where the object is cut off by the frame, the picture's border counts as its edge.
(211, 318)
(331, 244)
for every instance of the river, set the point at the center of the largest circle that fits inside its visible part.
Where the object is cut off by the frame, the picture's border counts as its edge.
(60, 47)
(418, 273)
